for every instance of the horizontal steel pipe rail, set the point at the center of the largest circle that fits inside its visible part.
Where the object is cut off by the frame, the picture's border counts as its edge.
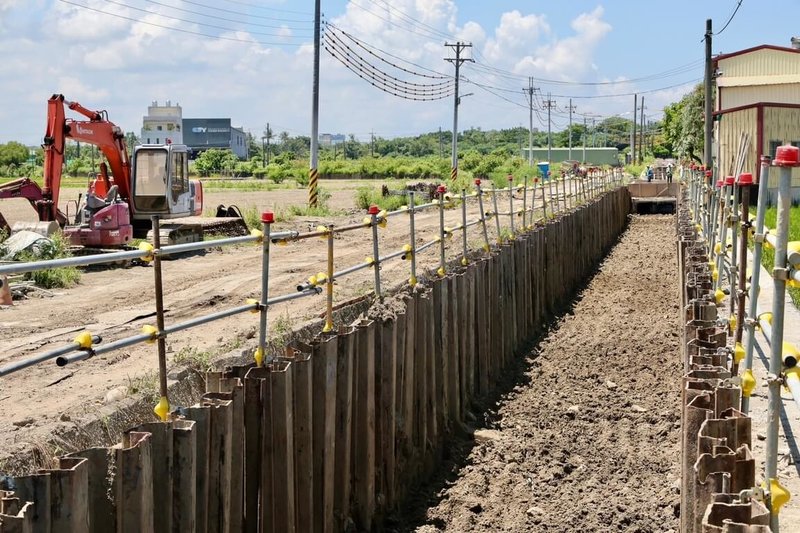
(51, 354)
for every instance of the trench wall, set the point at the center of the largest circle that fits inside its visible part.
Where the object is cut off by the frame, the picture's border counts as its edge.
(334, 434)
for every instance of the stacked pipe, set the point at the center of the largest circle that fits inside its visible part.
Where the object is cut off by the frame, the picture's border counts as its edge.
(719, 488)
(333, 434)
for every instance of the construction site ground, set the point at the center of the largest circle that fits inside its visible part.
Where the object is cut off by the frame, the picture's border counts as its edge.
(584, 437)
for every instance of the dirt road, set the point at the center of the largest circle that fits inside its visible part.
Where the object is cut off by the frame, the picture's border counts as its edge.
(117, 303)
(588, 440)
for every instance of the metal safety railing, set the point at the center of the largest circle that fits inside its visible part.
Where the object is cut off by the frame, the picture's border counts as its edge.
(721, 212)
(555, 195)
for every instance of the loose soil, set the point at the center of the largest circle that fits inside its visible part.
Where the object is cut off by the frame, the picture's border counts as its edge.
(588, 439)
(45, 400)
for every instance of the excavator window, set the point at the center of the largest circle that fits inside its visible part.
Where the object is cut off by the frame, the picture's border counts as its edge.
(179, 182)
(150, 180)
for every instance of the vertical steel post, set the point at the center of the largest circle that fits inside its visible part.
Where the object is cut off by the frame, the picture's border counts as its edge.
(496, 216)
(413, 235)
(329, 307)
(511, 202)
(734, 274)
(745, 181)
(786, 157)
(267, 218)
(442, 260)
(162, 408)
(524, 203)
(376, 259)
(464, 260)
(544, 199)
(486, 246)
(724, 218)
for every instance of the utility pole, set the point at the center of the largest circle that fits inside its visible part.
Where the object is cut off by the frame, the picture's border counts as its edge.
(707, 108)
(633, 129)
(312, 171)
(372, 144)
(569, 135)
(529, 92)
(457, 61)
(549, 105)
(641, 135)
(441, 143)
(584, 139)
(594, 133)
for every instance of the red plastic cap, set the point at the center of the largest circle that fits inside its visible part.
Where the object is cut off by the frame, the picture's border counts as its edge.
(510, 177)
(745, 179)
(692, 167)
(373, 210)
(478, 182)
(719, 184)
(730, 180)
(702, 167)
(441, 189)
(708, 173)
(787, 156)
(267, 217)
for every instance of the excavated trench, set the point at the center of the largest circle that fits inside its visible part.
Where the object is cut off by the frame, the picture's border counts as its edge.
(586, 435)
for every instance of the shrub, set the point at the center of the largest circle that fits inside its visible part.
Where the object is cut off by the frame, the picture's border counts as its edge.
(56, 248)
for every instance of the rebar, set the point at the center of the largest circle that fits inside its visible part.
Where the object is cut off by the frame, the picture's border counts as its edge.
(479, 192)
(464, 260)
(267, 219)
(329, 307)
(441, 190)
(376, 263)
(496, 217)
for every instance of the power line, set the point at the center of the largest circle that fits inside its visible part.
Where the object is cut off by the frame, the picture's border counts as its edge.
(738, 5)
(207, 6)
(413, 20)
(213, 26)
(283, 26)
(427, 35)
(265, 8)
(181, 30)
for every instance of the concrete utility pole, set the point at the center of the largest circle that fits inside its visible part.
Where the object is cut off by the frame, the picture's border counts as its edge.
(594, 133)
(312, 171)
(633, 129)
(372, 144)
(441, 143)
(571, 108)
(529, 93)
(641, 135)
(584, 138)
(709, 124)
(457, 61)
(549, 105)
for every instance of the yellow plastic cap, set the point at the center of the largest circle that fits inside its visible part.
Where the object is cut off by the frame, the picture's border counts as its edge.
(312, 280)
(748, 383)
(732, 322)
(258, 356)
(368, 260)
(412, 281)
(714, 275)
(778, 494)
(147, 251)
(367, 221)
(464, 261)
(84, 340)
(766, 317)
(440, 271)
(791, 349)
(322, 277)
(147, 329)
(738, 353)
(257, 233)
(252, 301)
(162, 409)
(719, 296)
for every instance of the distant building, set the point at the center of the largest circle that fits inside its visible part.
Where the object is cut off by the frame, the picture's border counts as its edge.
(594, 156)
(162, 124)
(200, 134)
(758, 92)
(165, 124)
(331, 139)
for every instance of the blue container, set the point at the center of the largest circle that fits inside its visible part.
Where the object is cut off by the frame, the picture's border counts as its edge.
(545, 169)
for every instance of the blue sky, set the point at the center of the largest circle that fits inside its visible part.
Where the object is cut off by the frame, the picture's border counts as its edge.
(259, 71)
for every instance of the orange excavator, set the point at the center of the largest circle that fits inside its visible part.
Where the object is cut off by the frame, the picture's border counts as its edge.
(119, 204)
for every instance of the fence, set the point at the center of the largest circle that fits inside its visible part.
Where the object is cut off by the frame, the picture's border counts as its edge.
(331, 434)
(719, 490)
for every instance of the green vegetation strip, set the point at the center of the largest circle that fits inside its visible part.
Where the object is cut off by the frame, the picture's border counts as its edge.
(768, 256)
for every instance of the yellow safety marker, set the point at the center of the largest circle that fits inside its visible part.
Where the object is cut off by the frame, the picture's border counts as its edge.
(779, 496)
(253, 301)
(258, 234)
(322, 278)
(719, 296)
(152, 331)
(748, 383)
(382, 219)
(83, 340)
(412, 281)
(162, 408)
(408, 253)
(440, 271)
(258, 356)
(464, 261)
(766, 317)
(715, 274)
(368, 260)
(324, 230)
(147, 250)
(732, 323)
(738, 353)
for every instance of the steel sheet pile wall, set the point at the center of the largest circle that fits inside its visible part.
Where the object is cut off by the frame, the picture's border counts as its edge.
(716, 462)
(334, 434)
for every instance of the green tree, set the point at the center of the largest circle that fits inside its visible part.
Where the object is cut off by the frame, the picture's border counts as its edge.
(215, 160)
(13, 154)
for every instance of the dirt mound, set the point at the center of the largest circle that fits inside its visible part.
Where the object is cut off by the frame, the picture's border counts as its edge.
(588, 441)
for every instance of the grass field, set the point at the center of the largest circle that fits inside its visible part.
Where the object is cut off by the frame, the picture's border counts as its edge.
(768, 257)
